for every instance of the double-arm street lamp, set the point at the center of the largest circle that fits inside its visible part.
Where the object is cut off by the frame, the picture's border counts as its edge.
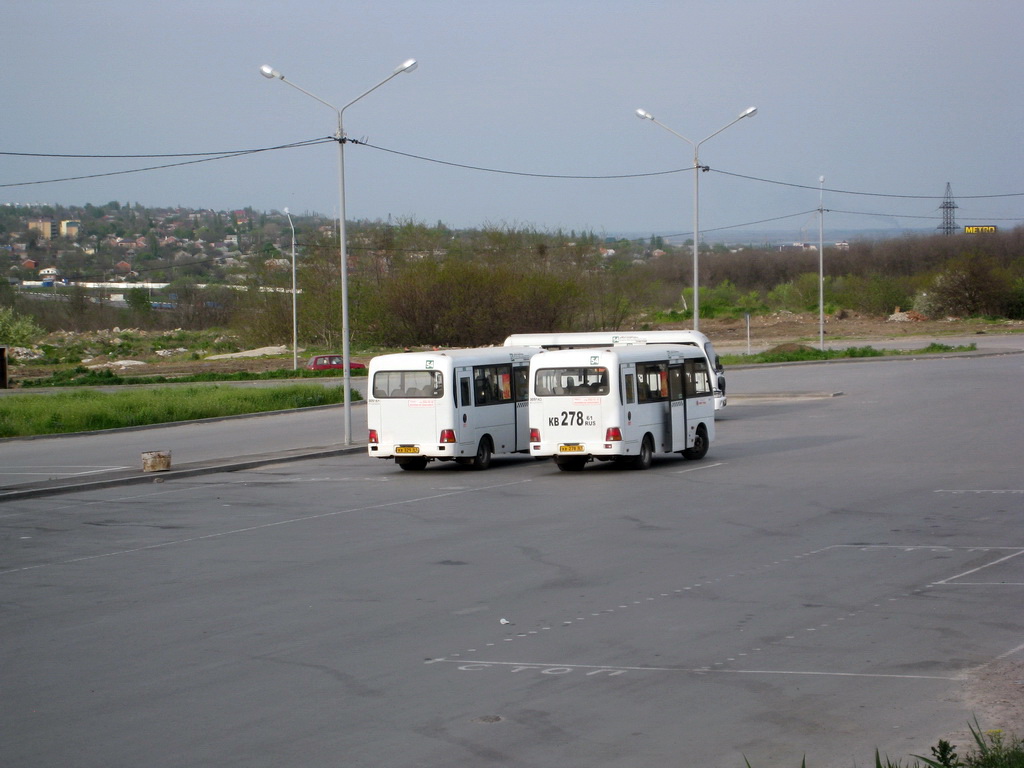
(643, 115)
(270, 72)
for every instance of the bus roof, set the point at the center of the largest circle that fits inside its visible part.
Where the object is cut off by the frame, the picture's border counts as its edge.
(624, 354)
(469, 356)
(601, 338)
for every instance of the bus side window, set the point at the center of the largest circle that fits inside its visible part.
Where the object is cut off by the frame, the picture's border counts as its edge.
(652, 382)
(698, 379)
(630, 388)
(675, 382)
(464, 392)
(521, 383)
(701, 378)
(492, 384)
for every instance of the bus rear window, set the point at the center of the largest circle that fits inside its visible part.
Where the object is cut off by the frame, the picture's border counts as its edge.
(408, 384)
(555, 382)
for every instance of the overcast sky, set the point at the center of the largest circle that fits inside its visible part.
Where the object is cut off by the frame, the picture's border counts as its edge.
(888, 97)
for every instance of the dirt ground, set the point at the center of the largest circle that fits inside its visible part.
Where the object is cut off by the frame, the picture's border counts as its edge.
(994, 694)
(727, 335)
(785, 327)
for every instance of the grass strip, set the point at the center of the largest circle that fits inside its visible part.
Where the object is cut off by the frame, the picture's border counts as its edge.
(87, 410)
(809, 354)
(80, 376)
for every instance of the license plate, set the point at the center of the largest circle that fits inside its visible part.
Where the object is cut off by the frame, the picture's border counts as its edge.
(407, 449)
(570, 448)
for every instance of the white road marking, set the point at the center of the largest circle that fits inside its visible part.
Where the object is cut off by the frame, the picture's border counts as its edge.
(560, 668)
(264, 526)
(979, 568)
(702, 466)
(56, 471)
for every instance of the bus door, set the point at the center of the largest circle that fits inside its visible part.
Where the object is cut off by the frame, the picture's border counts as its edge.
(675, 440)
(627, 398)
(464, 402)
(521, 395)
(494, 406)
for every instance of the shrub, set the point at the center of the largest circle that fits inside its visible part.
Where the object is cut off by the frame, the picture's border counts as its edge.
(17, 329)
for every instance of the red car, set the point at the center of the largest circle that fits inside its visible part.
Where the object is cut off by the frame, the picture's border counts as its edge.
(327, 362)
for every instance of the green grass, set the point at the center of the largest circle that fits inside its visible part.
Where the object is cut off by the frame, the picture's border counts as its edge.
(991, 749)
(87, 410)
(808, 354)
(80, 376)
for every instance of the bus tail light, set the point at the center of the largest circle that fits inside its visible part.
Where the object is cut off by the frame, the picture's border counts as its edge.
(534, 435)
(447, 436)
(373, 436)
(613, 435)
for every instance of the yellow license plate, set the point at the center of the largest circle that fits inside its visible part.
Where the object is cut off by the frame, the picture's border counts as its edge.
(570, 449)
(406, 449)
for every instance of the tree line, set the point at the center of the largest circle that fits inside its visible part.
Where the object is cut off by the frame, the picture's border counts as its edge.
(414, 284)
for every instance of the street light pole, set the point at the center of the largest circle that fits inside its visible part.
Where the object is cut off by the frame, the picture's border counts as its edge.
(821, 263)
(295, 308)
(644, 115)
(271, 73)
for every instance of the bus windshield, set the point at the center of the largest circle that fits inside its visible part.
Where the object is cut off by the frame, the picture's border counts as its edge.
(555, 382)
(404, 384)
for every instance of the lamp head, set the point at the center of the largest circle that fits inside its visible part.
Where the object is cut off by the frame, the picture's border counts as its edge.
(749, 112)
(643, 115)
(270, 73)
(406, 66)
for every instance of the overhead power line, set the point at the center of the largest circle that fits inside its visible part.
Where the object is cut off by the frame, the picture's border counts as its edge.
(204, 157)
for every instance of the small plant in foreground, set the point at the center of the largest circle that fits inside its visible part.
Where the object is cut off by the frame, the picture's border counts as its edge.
(991, 750)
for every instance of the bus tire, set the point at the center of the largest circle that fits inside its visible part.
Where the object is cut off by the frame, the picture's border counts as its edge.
(413, 465)
(644, 459)
(574, 464)
(484, 453)
(700, 444)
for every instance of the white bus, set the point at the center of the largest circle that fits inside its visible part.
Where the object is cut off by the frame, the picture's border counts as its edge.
(620, 404)
(461, 405)
(605, 338)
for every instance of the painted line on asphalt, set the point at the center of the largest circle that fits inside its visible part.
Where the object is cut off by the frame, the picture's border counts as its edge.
(946, 582)
(264, 526)
(575, 618)
(702, 466)
(474, 665)
(56, 470)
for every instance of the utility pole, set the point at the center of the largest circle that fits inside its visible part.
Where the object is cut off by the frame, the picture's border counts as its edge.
(948, 226)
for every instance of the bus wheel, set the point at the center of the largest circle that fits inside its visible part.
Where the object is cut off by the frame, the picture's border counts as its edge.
(575, 464)
(482, 460)
(418, 463)
(646, 456)
(700, 445)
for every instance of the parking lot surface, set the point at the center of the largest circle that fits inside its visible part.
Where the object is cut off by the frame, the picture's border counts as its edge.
(839, 573)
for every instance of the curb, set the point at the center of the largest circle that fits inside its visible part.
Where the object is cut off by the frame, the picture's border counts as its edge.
(135, 477)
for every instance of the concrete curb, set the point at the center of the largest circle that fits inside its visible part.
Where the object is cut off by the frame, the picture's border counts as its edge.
(135, 477)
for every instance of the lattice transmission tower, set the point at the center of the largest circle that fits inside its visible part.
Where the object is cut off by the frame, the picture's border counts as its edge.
(948, 225)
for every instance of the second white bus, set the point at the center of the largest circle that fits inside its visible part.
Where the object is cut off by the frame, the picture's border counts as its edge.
(577, 340)
(622, 404)
(462, 405)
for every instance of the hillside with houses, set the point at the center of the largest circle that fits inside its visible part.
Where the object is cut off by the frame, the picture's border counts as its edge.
(125, 243)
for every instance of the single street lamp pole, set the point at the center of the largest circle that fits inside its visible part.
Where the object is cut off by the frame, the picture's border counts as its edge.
(295, 306)
(644, 115)
(821, 263)
(271, 73)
